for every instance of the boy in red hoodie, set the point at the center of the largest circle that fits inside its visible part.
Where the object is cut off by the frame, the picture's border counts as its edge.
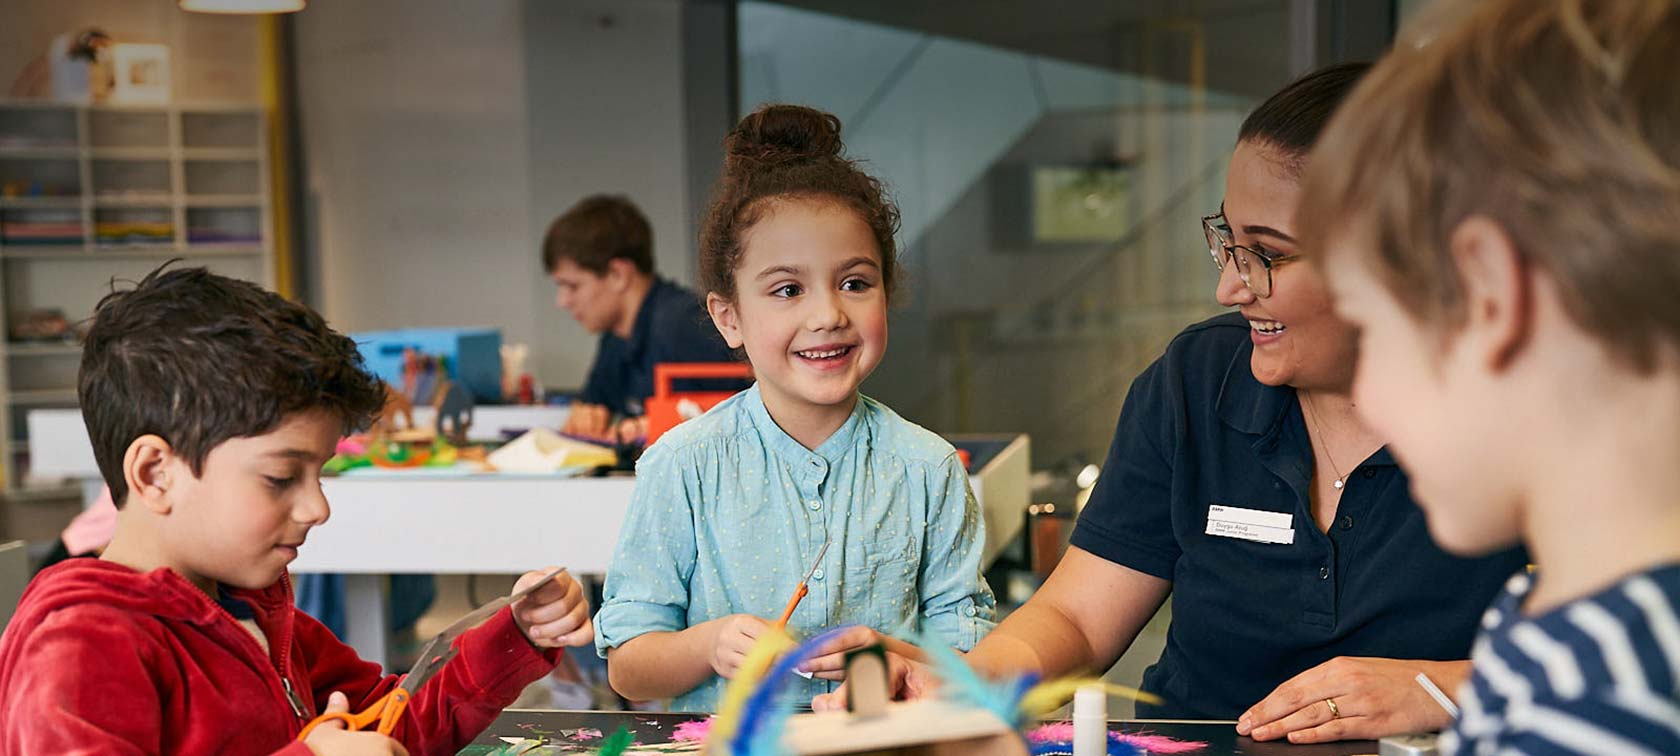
(212, 405)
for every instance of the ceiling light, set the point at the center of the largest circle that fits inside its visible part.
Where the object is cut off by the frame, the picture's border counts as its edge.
(243, 6)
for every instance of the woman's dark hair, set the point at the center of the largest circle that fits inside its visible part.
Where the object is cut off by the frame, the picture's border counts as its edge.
(1292, 119)
(787, 152)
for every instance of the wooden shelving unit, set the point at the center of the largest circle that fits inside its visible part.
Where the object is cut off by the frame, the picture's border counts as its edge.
(89, 194)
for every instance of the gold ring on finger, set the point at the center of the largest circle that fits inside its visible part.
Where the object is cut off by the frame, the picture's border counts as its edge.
(1335, 711)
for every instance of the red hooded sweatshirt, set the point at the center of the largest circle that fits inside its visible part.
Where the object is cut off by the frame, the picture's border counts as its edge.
(101, 659)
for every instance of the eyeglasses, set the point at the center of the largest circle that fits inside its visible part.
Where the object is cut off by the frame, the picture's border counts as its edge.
(1251, 261)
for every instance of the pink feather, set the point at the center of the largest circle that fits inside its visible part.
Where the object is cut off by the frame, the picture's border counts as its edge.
(691, 732)
(1062, 732)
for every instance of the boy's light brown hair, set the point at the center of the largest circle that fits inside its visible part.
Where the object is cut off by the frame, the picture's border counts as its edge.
(1557, 119)
(597, 230)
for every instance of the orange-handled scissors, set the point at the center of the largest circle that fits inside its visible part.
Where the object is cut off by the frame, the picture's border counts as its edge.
(800, 592)
(437, 652)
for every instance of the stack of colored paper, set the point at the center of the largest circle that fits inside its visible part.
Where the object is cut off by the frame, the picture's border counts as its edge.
(134, 232)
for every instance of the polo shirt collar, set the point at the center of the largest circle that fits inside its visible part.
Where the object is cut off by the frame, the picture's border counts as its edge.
(1252, 407)
(1248, 405)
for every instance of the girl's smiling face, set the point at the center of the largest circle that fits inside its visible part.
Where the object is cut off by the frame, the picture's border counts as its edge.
(810, 307)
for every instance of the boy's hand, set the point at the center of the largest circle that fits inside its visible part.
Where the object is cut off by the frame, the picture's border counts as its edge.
(554, 615)
(330, 738)
(591, 421)
(732, 638)
(830, 661)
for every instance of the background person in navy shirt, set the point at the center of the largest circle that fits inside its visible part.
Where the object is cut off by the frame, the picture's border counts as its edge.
(1306, 591)
(600, 256)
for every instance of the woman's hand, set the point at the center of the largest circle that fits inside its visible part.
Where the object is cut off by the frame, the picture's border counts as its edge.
(907, 680)
(1373, 698)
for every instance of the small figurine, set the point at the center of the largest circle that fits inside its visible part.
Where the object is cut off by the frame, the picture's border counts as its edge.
(454, 405)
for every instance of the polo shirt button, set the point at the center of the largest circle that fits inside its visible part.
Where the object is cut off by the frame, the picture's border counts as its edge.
(1347, 522)
(815, 505)
(817, 574)
(1368, 473)
(1324, 573)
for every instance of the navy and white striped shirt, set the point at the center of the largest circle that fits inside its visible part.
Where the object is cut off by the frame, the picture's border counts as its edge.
(1599, 675)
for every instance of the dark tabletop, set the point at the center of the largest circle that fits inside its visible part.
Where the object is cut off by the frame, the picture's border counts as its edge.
(579, 732)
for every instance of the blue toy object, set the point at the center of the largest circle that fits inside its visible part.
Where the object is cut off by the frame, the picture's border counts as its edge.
(472, 356)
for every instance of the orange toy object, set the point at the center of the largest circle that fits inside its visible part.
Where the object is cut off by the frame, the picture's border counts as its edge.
(399, 454)
(665, 408)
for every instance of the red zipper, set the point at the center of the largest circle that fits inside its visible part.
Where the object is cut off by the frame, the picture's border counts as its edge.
(287, 694)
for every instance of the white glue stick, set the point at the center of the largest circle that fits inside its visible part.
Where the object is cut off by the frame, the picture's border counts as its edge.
(1090, 721)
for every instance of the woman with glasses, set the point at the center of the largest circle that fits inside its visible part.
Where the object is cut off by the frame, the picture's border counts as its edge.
(1307, 594)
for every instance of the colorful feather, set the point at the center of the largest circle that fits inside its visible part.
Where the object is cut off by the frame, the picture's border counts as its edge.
(1057, 737)
(1051, 695)
(960, 683)
(770, 645)
(617, 743)
(763, 717)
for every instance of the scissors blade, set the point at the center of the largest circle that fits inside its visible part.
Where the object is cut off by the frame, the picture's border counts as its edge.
(431, 658)
(817, 562)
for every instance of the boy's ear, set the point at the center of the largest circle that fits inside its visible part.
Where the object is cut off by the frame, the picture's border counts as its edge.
(726, 318)
(1498, 292)
(148, 469)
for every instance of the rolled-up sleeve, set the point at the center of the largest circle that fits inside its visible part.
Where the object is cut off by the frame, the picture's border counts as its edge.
(957, 605)
(647, 581)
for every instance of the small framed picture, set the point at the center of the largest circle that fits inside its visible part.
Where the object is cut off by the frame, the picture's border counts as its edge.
(140, 73)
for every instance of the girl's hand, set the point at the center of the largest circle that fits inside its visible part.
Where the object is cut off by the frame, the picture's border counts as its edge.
(732, 638)
(830, 661)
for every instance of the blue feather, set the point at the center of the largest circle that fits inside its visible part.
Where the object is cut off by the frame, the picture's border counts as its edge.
(763, 717)
(963, 685)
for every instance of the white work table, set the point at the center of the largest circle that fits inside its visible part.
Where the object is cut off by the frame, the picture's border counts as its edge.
(451, 523)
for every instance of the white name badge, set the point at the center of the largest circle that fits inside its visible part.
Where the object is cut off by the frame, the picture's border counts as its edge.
(1250, 524)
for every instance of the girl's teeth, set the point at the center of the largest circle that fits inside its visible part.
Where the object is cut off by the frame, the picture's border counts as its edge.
(1267, 327)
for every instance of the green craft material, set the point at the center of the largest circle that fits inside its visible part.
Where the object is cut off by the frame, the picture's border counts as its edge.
(618, 742)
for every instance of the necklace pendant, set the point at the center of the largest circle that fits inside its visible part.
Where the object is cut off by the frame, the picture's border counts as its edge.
(1339, 484)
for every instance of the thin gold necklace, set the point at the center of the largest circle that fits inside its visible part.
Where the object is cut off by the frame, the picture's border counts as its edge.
(1312, 414)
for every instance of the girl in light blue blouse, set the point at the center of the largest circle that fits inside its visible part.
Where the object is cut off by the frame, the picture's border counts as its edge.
(730, 509)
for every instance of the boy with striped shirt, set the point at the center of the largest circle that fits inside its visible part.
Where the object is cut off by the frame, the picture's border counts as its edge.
(1497, 207)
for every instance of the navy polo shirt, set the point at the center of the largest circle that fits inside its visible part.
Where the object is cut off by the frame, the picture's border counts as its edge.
(1198, 430)
(671, 326)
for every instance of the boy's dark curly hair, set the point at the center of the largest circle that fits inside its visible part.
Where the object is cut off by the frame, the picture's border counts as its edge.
(197, 358)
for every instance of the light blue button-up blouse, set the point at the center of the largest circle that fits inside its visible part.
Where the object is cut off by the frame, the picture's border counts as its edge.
(729, 511)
